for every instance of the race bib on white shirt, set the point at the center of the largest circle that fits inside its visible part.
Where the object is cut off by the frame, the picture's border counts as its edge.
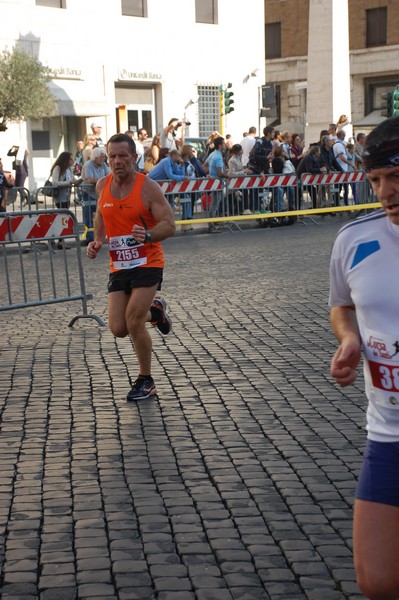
(126, 253)
(382, 353)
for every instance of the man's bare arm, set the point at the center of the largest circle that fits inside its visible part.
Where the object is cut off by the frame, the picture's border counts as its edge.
(346, 359)
(155, 201)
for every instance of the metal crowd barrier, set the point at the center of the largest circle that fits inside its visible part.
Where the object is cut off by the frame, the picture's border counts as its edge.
(264, 193)
(225, 202)
(17, 198)
(332, 183)
(233, 199)
(79, 199)
(34, 277)
(262, 197)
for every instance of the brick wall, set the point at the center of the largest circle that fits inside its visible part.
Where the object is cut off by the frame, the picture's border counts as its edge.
(293, 15)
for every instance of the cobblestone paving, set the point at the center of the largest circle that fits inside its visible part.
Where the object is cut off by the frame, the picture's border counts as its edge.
(236, 483)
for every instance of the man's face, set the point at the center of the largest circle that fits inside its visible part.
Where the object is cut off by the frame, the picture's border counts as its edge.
(99, 160)
(385, 184)
(361, 140)
(80, 145)
(175, 157)
(121, 160)
(97, 131)
(143, 135)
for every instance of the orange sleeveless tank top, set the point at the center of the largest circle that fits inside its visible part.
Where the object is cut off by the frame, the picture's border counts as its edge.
(119, 217)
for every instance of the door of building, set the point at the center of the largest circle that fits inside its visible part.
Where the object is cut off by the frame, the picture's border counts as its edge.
(138, 117)
(135, 109)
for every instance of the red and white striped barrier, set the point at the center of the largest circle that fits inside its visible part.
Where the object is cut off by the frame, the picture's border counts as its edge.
(261, 181)
(191, 185)
(326, 178)
(20, 227)
(235, 183)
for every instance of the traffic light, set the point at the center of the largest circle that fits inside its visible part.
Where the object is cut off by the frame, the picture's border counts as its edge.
(228, 101)
(395, 102)
(221, 101)
(386, 105)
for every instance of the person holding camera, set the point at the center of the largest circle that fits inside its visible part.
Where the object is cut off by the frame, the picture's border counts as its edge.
(169, 138)
(6, 182)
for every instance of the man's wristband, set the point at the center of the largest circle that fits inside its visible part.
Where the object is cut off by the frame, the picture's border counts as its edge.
(147, 237)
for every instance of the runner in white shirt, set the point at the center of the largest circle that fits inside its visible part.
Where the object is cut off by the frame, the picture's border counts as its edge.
(364, 300)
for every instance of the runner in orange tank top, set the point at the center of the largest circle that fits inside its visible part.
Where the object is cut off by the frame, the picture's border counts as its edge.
(134, 215)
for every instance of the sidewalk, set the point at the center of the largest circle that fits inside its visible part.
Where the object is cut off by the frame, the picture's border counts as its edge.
(236, 483)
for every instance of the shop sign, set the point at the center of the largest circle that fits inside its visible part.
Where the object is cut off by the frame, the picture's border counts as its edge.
(126, 75)
(65, 73)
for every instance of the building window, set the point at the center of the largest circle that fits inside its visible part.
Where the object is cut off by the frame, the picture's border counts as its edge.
(41, 140)
(376, 26)
(273, 40)
(206, 11)
(51, 3)
(134, 8)
(208, 109)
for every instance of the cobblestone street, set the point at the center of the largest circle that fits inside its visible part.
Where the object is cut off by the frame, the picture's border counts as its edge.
(235, 483)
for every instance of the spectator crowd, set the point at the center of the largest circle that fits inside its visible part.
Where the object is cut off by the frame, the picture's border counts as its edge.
(169, 157)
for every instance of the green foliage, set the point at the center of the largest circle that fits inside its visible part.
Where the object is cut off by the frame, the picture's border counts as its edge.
(23, 88)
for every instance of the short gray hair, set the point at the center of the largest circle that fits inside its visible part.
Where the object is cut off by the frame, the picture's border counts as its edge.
(97, 152)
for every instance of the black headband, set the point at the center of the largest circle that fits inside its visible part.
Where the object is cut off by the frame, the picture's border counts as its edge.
(381, 156)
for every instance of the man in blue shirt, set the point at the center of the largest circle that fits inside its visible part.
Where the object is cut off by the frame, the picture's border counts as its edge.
(216, 168)
(171, 167)
(168, 168)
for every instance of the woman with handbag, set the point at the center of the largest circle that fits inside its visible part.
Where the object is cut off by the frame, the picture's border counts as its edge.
(62, 178)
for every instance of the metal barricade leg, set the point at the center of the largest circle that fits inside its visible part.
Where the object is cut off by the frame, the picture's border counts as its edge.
(37, 283)
(88, 210)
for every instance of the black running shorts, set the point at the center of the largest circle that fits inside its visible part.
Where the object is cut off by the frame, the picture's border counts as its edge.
(127, 279)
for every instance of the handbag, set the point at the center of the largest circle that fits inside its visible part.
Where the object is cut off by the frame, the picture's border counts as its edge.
(50, 190)
(288, 167)
(148, 164)
(206, 201)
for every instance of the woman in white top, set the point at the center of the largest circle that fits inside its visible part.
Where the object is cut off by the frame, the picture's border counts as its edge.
(62, 177)
(235, 168)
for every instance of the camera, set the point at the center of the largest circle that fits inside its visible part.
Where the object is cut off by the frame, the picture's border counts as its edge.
(180, 123)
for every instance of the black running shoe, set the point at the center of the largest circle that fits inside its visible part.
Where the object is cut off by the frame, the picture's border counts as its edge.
(162, 320)
(142, 388)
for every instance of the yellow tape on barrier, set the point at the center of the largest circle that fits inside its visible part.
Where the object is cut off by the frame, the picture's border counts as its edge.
(286, 213)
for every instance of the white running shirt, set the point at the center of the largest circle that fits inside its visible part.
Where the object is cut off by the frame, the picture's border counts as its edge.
(364, 272)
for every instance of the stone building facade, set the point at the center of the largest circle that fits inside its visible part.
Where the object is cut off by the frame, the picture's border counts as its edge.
(373, 49)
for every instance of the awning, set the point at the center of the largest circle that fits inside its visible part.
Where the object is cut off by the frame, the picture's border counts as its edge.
(371, 120)
(77, 99)
(82, 108)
